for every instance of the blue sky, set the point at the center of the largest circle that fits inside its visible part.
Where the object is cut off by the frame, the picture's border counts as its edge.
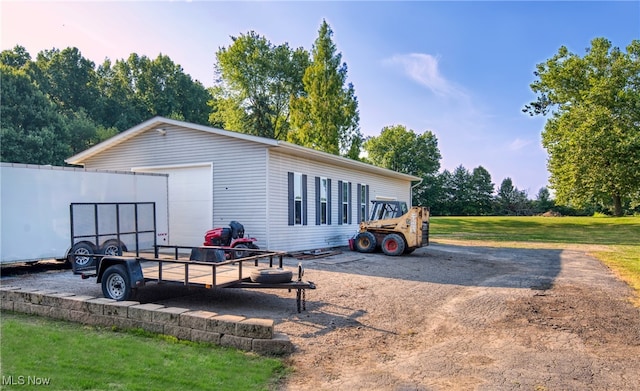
(459, 69)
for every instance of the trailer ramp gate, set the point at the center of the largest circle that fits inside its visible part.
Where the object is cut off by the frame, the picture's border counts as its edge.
(110, 228)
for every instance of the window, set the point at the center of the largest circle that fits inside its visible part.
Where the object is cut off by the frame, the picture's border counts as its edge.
(344, 202)
(297, 184)
(323, 201)
(297, 198)
(363, 202)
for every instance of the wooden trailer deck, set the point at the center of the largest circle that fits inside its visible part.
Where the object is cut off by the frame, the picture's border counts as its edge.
(211, 275)
(208, 267)
(177, 264)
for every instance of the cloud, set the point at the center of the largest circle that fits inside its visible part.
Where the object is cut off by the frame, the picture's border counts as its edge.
(423, 68)
(518, 144)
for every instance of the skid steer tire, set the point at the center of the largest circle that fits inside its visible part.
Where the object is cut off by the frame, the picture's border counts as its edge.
(365, 242)
(271, 276)
(393, 244)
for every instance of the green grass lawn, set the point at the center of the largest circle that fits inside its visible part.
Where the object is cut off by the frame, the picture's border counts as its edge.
(615, 241)
(70, 356)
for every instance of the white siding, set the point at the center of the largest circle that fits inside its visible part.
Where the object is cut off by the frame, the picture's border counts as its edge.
(250, 182)
(239, 170)
(190, 201)
(304, 237)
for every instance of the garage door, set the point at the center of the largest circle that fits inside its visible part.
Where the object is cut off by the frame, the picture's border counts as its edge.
(190, 202)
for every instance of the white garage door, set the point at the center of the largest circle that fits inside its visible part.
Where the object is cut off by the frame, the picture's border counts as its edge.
(190, 202)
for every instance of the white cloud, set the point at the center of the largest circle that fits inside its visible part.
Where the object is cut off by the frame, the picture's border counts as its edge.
(518, 144)
(423, 68)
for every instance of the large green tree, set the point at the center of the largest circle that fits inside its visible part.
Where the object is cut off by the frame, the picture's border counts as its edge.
(481, 191)
(31, 131)
(326, 117)
(592, 133)
(401, 149)
(256, 81)
(122, 107)
(59, 104)
(138, 88)
(510, 200)
(464, 192)
(68, 79)
(16, 58)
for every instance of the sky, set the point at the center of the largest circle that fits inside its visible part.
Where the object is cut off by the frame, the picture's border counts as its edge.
(457, 68)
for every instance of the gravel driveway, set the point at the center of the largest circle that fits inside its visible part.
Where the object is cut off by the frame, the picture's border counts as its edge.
(445, 317)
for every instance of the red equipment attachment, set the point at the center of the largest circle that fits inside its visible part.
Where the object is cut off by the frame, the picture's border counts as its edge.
(230, 237)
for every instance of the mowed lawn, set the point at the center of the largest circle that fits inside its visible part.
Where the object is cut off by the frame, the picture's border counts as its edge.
(44, 354)
(613, 240)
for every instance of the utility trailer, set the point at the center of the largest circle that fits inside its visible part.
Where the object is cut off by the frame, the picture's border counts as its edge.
(123, 271)
(35, 204)
(207, 267)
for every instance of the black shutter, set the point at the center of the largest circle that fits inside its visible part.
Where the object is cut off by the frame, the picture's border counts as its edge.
(367, 203)
(318, 206)
(292, 212)
(329, 201)
(304, 200)
(360, 201)
(349, 207)
(339, 202)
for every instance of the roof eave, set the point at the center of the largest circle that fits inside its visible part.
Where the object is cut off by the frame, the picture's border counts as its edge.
(342, 161)
(298, 150)
(81, 157)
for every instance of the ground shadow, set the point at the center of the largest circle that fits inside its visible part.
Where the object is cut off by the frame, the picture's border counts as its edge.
(455, 265)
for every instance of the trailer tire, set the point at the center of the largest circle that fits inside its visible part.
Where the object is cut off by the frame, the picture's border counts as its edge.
(79, 250)
(365, 242)
(111, 247)
(393, 244)
(115, 283)
(271, 276)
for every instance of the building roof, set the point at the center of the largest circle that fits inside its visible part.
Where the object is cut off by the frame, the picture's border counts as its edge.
(283, 146)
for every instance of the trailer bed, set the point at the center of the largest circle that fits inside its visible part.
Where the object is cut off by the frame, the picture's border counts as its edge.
(171, 264)
(190, 273)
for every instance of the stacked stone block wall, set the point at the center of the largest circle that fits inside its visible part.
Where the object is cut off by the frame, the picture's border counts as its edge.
(250, 334)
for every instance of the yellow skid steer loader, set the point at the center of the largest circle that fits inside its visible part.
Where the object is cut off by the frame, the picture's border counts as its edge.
(394, 228)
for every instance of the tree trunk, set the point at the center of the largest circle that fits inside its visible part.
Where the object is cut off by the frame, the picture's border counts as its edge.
(617, 205)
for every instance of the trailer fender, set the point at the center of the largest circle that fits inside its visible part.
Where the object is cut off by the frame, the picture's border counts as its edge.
(132, 266)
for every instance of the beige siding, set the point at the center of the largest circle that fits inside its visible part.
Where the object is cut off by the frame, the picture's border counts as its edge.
(239, 169)
(290, 238)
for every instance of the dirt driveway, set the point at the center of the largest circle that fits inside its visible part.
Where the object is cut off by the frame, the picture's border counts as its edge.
(446, 317)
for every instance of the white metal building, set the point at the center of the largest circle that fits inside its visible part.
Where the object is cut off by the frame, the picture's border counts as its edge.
(289, 197)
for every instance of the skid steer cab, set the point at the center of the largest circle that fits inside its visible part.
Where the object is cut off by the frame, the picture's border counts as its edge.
(394, 228)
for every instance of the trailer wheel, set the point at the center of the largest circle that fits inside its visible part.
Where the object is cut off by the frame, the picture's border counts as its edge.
(271, 276)
(111, 247)
(115, 283)
(82, 252)
(365, 242)
(393, 244)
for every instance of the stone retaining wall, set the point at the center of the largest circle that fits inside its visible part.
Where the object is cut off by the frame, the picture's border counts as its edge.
(250, 334)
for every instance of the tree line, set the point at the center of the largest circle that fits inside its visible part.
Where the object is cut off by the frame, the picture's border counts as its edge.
(60, 103)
